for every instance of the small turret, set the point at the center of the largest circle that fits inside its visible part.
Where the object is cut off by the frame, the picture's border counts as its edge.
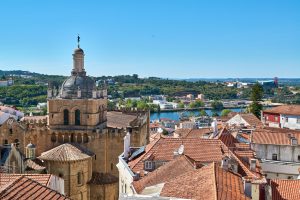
(30, 151)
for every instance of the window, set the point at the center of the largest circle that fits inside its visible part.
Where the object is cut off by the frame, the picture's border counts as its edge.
(148, 165)
(66, 117)
(77, 117)
(10, 131)
(111, 166)
(298, 157)
(274, 156)
(79, 178)
(298, 120)
(286, 119)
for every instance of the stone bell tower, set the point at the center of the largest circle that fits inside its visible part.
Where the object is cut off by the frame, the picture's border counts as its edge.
(78, 104)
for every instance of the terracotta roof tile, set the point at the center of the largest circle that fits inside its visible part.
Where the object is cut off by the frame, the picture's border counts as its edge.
(25, 188)
(41, 178)
(274, 136)
(119, 120)
(66, 152)
(285, 189)
(198, 149)
(164, 173)
(285, 109)
(209, 182)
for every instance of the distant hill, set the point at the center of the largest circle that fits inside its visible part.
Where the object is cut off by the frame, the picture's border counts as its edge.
(18, 73)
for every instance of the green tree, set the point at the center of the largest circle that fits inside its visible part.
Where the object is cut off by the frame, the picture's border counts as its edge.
(180, 105)
(217, 105)
(256, 96)
(196, 104)
(225, 112)
(203, 113)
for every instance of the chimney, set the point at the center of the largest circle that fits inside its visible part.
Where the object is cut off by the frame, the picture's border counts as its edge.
(94, 94)
(224, 163)
(294, 141)
(49, 93)
(252, 164)
(214, 126)
(126, 145)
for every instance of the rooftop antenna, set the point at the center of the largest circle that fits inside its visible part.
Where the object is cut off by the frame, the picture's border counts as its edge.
(78, 41)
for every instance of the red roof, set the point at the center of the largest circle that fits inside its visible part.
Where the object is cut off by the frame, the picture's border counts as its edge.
(24, 188)
(168, 171)
(285, 109)
(285, 189)
(209, 182)
(275, 136)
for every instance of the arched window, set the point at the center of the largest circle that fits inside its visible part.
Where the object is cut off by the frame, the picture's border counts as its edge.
(53, 137)
(66, 117)
(77, 117)
(85, 138)
(79, 178)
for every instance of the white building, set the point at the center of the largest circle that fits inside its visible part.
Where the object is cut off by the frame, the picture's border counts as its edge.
(278, 151)
(285, 116)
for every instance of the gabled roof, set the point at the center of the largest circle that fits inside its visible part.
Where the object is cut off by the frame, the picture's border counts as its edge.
(41, 178)
(276, 136)
(285, 189)
(285, 109)
(209, 182)
(248, 119)
(26, 188)
(66, 152)
(198, 149)
(164, 173)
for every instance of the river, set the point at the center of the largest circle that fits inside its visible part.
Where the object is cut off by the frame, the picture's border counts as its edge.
(176, 114)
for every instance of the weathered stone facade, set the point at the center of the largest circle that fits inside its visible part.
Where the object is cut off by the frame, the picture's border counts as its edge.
(77, 113)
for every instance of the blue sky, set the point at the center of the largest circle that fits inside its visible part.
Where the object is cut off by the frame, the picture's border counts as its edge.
(163, 38)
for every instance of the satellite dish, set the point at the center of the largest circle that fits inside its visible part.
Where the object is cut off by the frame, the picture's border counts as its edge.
(160, 130)
(181, 149)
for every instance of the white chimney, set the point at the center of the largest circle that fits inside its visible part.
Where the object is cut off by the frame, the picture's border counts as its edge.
(49, 93)
(224, 163)
(126, 145)
(253, 164)
(214, 126)
(94, 94)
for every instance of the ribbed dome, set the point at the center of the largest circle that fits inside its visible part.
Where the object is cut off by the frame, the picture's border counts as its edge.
(30, 145)
(78, 50)
(69, 89)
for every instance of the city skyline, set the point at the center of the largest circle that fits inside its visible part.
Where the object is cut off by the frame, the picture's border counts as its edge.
(169, 39)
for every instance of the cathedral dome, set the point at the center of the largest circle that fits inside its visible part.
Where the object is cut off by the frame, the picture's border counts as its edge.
(75, 83)
(78, 51)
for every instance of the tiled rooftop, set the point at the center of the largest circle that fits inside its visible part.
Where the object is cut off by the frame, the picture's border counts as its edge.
(24, 188)
(275, 136)
(198, 149)
(119, 120)
(285, 109)
(285, 189)
(41, 178)
(208, 183)
(164, 173)
(66, 152)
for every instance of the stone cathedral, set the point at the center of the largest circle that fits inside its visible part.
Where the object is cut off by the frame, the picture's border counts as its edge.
(78, 140)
